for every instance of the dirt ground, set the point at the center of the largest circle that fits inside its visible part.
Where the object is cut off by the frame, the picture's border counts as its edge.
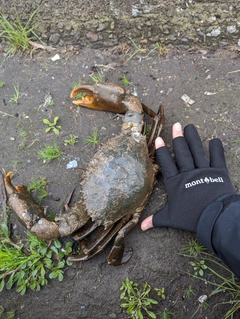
(91, 289)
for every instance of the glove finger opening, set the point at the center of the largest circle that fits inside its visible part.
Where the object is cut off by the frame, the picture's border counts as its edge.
(195, 145)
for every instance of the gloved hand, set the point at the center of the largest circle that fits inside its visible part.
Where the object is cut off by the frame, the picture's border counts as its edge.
(192, 182)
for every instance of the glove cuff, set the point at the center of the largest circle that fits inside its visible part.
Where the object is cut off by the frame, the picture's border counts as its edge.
(209, 217)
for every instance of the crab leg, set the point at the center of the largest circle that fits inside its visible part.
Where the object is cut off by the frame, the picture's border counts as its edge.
(157, 126)
(84, 231)
(97, 241)
(118, 254)
(106, 238)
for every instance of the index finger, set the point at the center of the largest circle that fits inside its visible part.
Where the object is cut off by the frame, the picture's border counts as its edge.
(164, 159)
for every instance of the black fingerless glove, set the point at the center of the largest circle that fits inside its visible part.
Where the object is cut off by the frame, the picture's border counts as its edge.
(192, 183)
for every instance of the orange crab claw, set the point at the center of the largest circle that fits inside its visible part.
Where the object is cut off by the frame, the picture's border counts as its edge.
(101, 96)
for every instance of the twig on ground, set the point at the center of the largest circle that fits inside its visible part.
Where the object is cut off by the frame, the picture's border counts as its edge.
(4, 113)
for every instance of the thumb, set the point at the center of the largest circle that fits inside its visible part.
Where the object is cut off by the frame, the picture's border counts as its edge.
(147, 223)
(162, 218)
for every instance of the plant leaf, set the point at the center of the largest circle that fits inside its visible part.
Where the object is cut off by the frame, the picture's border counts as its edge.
(5, 230)
(153, 301)
(55, 120)
(60, 277)
(56, 131)
(57, 243)
(151, 314)
(2, 284)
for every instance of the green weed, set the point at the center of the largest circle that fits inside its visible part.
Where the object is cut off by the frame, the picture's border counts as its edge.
(6, 314)
(23, 133)
(50, 152)
(217, 275)
(74, 85)
(93, 139)
(38, 187)
(16, 95)
(52, 125)
(193, 248)
(50, 216)
(2, 84)
(17, 35)
(235, 71)
(32, 265)
(199, 267)
(72, 140)
(50, 101)
(138, 49)
(203, 305)
(22, 144)
(159, 48)
(137, 301)
(167, 314)
(148, 129)
(188, 293)
(79, 96)
(96, 78)
(161, 292)
(125, 81)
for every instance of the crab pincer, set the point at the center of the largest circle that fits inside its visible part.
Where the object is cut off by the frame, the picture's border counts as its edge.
(105, 97)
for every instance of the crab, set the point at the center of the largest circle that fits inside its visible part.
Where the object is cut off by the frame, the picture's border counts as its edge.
(116, 185)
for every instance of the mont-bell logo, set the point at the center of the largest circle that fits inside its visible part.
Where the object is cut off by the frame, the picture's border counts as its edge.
(205, 180)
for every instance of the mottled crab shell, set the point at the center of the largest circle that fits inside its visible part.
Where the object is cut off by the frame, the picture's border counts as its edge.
(119, 179)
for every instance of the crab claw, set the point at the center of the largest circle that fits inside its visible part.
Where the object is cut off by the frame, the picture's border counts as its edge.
(32, 216)
(28, 212)
(101, 96)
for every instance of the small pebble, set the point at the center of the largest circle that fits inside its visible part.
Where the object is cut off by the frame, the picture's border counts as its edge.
(72, 164)
(202, 298)
(55, 57)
